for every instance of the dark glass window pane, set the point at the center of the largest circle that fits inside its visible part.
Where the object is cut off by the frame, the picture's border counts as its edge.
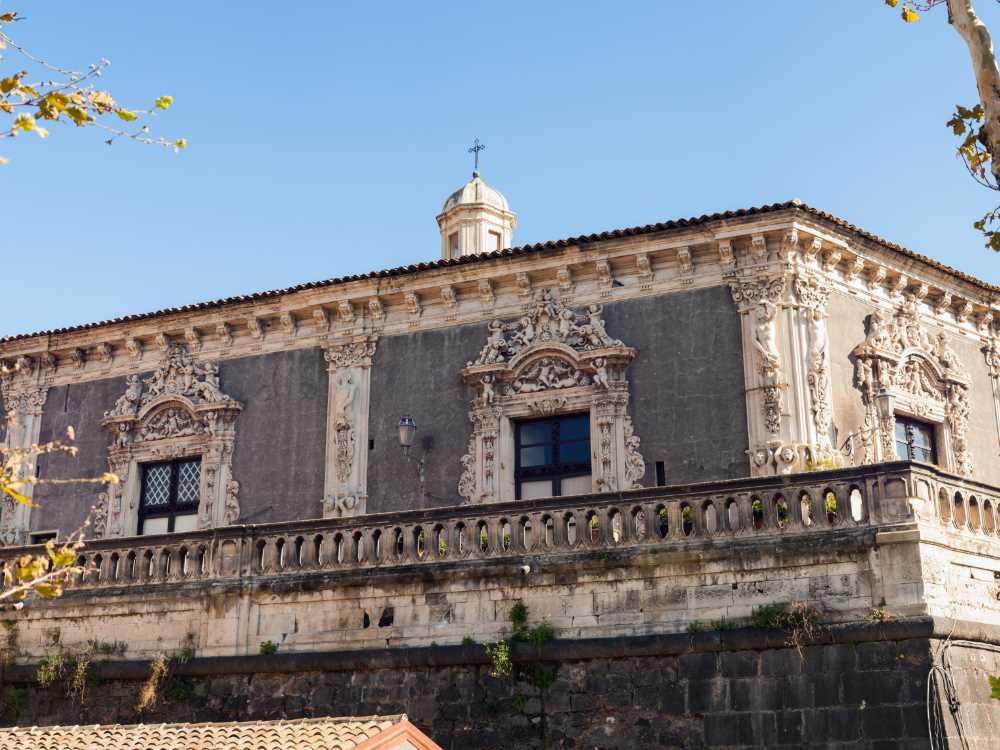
(533, 433)
(539, 455)
(902, 441)
(923, 454)
(188, 482)
(921, 436)
(572, 453)
(156, 486)
(574, 428)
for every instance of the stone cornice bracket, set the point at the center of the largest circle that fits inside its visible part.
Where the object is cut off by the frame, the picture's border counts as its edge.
(413, 306)
(758, 249)
(193, 338)
(288, 324)
(450, 300)
(523, 282)
(727, 259)
(685, 264)
(321, 319)
(644, 270)
(225, 333)
(789, 247)
(78, 357)
(812, 252)
(831, 259)
(345, 313)
(103, 353)
(162, 341)
(854, 269)
(376, 310)
(255, 326)
(876, 276)
(134, 347)
(605, 277)
(564, 277)
(487, 297)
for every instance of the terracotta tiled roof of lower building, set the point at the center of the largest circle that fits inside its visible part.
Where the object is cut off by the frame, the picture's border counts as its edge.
(335, 733)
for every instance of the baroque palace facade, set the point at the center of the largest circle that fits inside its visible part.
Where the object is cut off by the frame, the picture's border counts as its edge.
(633, 432)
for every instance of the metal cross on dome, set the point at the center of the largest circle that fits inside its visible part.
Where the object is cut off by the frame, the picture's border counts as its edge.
(475, 149)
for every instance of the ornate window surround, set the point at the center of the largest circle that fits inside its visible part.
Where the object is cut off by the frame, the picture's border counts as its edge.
(550, 361)
(921, 376)
(179, 411)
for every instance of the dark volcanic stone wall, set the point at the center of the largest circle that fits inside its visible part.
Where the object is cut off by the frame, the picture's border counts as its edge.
(688, 402)
(419, 374)
(280, 434)
(686, 693)
(82, 406)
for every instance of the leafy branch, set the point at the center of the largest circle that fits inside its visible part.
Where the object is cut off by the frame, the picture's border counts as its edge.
(68, 96)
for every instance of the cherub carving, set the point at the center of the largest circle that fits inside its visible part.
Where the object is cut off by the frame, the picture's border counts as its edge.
(601, 373)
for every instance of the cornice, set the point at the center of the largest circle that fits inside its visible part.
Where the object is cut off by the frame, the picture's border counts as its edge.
(445, 294)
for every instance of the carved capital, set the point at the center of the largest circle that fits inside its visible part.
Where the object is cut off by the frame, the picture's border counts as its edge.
(352, 354)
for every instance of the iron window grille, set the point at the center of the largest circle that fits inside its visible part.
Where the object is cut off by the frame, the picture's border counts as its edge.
(170, 489)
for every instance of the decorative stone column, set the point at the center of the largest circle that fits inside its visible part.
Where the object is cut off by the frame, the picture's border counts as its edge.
(345, 489)
(24, 393)
(991, 350)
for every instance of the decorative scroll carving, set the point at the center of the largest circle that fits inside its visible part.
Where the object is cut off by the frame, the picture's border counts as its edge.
(635, 466)
(922, 374)
(178, 410)
(551, 360)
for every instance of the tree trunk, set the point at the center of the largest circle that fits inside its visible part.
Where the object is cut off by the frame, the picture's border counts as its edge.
(984, 64)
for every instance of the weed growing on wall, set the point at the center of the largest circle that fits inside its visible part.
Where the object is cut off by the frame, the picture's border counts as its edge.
(533, 671)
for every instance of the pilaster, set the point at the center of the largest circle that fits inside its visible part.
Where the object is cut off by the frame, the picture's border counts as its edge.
(345, 489)
(24, 392)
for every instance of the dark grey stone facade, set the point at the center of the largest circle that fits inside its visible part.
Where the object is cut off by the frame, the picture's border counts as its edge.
(688, 403)
(82, 406)
(419, 375)
(280, 434)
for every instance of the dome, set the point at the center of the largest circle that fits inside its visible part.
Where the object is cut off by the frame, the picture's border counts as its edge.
(473, 192)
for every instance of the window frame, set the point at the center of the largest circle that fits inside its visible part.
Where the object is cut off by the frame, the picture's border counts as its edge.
(555, 471)
(172, 509)
(928, 428)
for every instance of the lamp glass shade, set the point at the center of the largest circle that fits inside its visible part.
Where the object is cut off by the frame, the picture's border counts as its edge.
(884, 402)
(407, 430)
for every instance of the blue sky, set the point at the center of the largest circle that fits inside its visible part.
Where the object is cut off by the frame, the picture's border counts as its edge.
(324, 136)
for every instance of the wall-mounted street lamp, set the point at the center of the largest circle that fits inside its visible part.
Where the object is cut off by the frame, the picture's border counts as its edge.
(407, 432)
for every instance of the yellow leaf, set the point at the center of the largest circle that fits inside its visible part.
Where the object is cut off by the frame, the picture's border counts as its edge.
(8, 17)
(180, 143)
(4, 160)
(25, 122)
(164, 102)
(891, 3)
(126, 115)
(910, 15)
(23, 499)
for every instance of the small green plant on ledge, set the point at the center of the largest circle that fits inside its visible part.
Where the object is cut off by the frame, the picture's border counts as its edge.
(468, 641)
(533, 671)
(697, 626)
(267, 648)
(799, 620)
(877, 614)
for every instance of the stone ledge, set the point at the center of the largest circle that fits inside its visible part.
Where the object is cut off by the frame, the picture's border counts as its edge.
(744, 639)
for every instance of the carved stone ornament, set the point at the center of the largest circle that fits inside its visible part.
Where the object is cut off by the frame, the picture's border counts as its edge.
(923, 375)
(179, 410)
(349, 370)
(550, 360)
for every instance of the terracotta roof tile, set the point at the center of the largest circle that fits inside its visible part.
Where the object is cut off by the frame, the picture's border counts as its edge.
(342, 733)
(525, 250)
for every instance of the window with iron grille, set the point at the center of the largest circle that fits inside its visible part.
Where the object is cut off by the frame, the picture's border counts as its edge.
(915, 440)
(553, 457)
(170, 494)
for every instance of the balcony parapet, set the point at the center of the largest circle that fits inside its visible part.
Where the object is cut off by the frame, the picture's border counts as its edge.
(885, 498)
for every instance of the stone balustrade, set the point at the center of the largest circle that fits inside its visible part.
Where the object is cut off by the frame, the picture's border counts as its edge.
(803, 505)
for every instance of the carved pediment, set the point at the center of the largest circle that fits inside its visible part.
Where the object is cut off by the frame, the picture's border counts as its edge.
(547, 321)
(180, 377)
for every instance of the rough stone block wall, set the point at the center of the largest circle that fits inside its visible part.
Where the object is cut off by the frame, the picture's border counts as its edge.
(865, 687)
